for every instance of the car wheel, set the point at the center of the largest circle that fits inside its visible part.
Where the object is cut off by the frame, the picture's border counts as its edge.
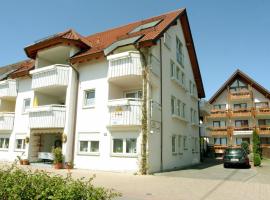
(225, 165)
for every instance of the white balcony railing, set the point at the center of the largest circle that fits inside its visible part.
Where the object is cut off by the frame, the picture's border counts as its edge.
(124, 64)
(51, 76)
(124, 112)
(6, 121)
(8, 89)
(49, 116)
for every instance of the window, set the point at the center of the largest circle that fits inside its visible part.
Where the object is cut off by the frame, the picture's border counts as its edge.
(134, 94)
(238, 141)
(179, 144)
(183, 78)
(196, 144)
(238, 85)
(220, 106)
(89, 97)
(26, 104)
(172, 69)
(4, 143)
(185, 143)
(179, 52)
(240, 105)
(220, 141)
(20, 144)
(124, 146)
(89, 146)
(178, 107)
(191, 115)
(263, 122)
(265, 140)
(190, 87)
(146, 26)
(173, 144)
(167, 40)
(183, 110)
(241, 123)
(173, 110)
(219, 123)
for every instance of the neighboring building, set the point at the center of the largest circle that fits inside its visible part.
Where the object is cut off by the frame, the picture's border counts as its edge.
(239, 107)
(85, 95)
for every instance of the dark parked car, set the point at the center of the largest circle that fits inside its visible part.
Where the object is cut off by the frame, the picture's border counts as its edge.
(235, 156)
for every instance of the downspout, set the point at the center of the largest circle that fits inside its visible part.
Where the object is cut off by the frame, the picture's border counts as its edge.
(161, 105)
(200, 134)
(75, 113)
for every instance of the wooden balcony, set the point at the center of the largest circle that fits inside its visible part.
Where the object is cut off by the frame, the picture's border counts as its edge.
(243, 128)
(218, 131)
(241, 112)
(262, 112)
(240, 95)
(218, 114)
(264, 130)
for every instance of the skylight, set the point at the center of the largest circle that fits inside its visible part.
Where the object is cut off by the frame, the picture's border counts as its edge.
(145, 26)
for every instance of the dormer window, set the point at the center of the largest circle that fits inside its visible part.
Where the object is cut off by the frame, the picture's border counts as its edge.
(145, 26)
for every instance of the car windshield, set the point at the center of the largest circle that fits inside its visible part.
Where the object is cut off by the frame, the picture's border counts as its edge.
(234, 151)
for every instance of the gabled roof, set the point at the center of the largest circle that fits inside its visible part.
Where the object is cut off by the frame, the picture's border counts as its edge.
(238, 74)
(66, 37)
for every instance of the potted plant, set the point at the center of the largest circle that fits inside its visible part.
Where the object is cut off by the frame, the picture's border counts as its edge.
(25, 162)
(58, 158)
(20, 160)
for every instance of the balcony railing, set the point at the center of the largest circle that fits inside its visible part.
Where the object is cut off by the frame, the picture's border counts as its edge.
(51, 76)
(125, 64)
(8, 89)
(218, 131)
(49, 116)
(218, 114)
(241, 112)
(124, 112)
(240, 95)
(264, 130)
(264, 111)
(243, 128)
(6, 121)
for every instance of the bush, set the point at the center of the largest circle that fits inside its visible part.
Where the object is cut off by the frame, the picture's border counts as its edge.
(257, 159)
(58, 156)
(245, 146)
(256, 143)
(23, 185)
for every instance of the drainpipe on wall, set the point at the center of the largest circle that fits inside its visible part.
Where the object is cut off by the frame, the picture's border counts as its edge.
(161, 105)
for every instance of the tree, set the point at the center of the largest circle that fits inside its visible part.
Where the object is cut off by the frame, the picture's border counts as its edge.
(256, 143)
(245, 146)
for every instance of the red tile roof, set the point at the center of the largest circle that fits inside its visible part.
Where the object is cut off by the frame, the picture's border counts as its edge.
(24, 68)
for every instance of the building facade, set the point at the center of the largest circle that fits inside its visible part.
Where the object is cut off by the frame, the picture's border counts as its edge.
(239, 107)
(85, 95)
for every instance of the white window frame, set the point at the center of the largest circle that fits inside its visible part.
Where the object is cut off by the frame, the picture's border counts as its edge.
(23, 145)
(185, 142)
(4, 143)
(180, 144)
(24, 109)
(179, 52)
(173, 103)
(91, 104)
(89, 145)
(167, 40)
(124, 143)
(136, 92)
(174, 145)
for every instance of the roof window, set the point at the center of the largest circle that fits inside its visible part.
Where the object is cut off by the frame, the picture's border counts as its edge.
(146, 26)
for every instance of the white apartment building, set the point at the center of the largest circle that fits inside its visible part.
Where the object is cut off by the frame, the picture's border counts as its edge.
(85, 94)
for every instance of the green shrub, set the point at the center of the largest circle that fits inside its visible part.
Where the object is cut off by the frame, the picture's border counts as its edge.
(58, 156)
(245, 146)
(257, 159)
(256, 143)
(23, 185)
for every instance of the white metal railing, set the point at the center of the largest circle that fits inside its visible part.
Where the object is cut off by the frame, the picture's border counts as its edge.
(8, 88)
(53, 75)
(125, 64)
(6, 121)
(49, 116)
(124, 112)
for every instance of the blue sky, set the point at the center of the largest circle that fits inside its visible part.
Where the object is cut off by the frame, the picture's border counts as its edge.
(228, 34)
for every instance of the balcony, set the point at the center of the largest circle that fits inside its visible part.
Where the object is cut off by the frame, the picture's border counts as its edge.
(124, 112)
(218, 131)
(6, 122)
(241, 112)
(263, 112)
(205, 108)
(53, 76)
(240, 95)
(218, 114)
(125, 69)
(243, 128)
(49, 116)
(8, 89)
(264, 130)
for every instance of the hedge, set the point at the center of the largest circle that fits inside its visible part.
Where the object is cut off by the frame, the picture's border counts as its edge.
(19, 184)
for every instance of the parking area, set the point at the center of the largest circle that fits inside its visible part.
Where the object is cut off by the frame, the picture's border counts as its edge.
(212, 169)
